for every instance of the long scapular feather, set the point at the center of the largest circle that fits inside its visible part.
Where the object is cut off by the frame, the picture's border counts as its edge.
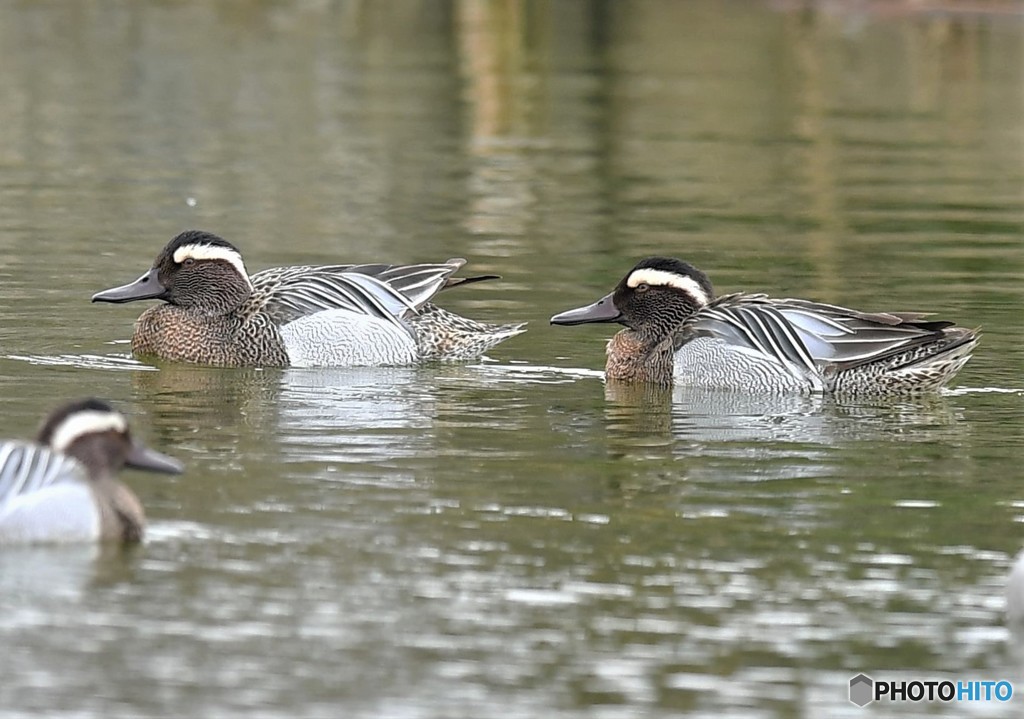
(764, 329)
(810, 334)
(27, 467)
(387, 292)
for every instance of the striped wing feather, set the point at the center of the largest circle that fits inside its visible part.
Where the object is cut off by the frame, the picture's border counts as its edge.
(27, 467)
(387, 292)
(805, 335)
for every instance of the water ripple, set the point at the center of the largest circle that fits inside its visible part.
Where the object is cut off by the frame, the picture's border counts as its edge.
(86, 361)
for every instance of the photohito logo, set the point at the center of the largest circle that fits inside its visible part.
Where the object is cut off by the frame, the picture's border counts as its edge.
(860, 690)
(864, 690)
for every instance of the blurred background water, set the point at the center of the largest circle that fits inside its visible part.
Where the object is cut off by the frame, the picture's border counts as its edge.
(511, 537)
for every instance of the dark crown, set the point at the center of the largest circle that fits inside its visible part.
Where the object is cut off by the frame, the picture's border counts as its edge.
(677, 267)
(198, 237)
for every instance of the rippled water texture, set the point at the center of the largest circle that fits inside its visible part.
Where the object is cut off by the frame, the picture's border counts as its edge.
(513, 537)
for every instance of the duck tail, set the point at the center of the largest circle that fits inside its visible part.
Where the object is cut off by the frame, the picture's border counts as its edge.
(932, 368)
(474, 338)
(444, 335)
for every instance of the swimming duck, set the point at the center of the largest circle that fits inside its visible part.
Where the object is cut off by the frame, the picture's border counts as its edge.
(678, 331)
(215, 313)
(62, 487)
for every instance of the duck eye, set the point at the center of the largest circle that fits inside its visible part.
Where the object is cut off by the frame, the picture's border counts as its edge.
(188, 262)
(642, 287)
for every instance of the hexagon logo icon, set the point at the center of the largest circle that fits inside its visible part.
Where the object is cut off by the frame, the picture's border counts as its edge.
(861, 690)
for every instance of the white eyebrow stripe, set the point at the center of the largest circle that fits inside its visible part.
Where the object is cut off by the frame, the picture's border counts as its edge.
(85, 422)
(201, 251)
(663, 278)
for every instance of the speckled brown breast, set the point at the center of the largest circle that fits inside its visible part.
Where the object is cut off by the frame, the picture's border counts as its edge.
(180, 335)
(631, 358)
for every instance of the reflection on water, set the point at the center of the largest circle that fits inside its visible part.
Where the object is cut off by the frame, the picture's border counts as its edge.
(355, 415)
(31, 574)
(516, 536)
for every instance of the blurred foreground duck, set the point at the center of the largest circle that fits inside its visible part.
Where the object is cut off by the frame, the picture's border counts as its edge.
(62, 488)
(678, 331)
(325, 316)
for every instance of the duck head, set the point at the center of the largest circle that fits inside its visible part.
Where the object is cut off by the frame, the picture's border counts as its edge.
(196, 270)
(653, 299)
(97, 435)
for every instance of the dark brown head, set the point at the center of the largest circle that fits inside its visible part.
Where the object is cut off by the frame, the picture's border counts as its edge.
(653, 299)
(196, 270)
(97, 435)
